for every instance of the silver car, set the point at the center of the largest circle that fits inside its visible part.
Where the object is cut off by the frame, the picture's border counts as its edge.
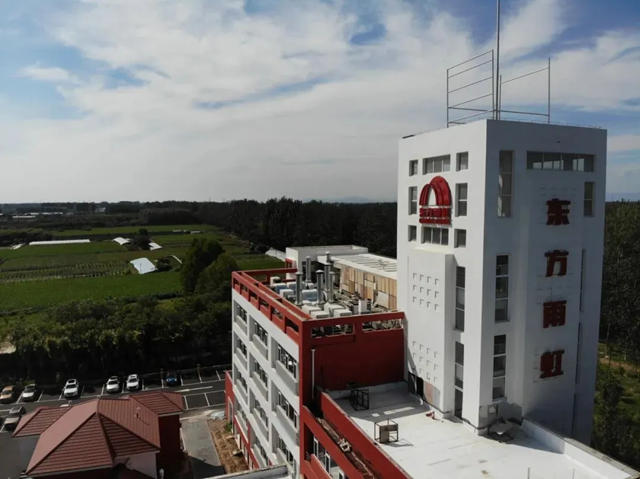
(71, 389)
(133, 382)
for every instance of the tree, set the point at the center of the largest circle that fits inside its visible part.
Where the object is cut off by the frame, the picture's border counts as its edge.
(216, 278)
(201, 253)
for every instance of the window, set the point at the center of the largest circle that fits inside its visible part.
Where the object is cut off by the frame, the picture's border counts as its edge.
(459, 364)
(436, 164)
(413, 200)
(261, 373)
(499, 365)
(287, 361)
(413, 167)
(287, 409)
(257, 408)
(537, 160)
(505, 184)
(413, 233)
(240, 346)
(460, 238)
(461, 199)
(460, 285)
(588, 198)
(502, 288)
(240, 312)
(435, 235)
(462, 161)
(260, 332)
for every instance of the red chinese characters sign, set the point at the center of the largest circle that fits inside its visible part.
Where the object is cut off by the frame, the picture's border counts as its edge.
(440, 213)
(554, 313)
(558, 257)
(551, 364)
(558, 212)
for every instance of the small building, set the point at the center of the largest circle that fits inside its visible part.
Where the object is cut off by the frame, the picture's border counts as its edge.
(122, 241)
(104, 437)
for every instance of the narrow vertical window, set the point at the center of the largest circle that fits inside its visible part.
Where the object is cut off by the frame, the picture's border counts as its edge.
(460, 240)
(505, 185)
(502, 288)
(588, 198)
(413, 167)
(413, 200)
(461, 199)
(459, 364)
(499, 366)
(413, 233)
(460, 286)
(462, 161)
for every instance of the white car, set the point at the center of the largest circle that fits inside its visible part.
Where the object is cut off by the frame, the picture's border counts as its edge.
(133, 382)
(71, 389)
(29, 392)
(113, 385)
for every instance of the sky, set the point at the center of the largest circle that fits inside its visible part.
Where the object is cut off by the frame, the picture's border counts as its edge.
(108, 100)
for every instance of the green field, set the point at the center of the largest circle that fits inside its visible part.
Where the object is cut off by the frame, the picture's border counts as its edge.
(39, 294)
(35, 277)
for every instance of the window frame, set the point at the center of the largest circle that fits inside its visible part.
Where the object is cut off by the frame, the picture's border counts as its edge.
(413, 200)
(462, 201)
(502, 276)
(459, 163)
(588, 212)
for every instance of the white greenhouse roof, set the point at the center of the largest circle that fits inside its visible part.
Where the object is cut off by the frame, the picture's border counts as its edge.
(121, 241)
(52, 242)
(143, 265)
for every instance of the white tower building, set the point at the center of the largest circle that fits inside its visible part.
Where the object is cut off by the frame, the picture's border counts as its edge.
(500, 243)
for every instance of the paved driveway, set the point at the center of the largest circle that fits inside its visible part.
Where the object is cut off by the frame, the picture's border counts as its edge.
(199, 445)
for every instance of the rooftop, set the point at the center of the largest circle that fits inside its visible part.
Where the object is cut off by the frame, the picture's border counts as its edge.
(371, 263)
(442, 448)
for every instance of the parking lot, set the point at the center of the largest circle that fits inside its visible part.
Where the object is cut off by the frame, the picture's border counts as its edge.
(201, 388)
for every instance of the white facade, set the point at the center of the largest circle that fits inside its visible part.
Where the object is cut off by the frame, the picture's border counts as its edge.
(259, 400)
(520, 237)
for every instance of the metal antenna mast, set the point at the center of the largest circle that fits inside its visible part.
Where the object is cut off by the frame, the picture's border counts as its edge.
(497, 98)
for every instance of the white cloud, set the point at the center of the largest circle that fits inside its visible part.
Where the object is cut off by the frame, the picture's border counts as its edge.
(624, 143)
(49, 74)
(336, 137)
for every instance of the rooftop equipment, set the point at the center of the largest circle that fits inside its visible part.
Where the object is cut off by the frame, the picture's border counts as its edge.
(319, 278)
(298, 288)
(308, 269)
(331, 281)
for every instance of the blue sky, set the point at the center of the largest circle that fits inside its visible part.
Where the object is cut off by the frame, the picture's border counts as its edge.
(221, 99)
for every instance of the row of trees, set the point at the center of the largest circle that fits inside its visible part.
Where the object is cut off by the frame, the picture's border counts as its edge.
(285, 222)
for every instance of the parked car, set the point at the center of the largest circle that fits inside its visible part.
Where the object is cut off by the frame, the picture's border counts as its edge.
(172, 379)
(71, 389)
(8, 394)
(113, 385)
(12, 420)
(30, 392)
(133, 382)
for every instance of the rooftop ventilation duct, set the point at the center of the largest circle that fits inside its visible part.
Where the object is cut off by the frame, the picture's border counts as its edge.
(330, 283)
(298, 288)
(319, 278)
(308, 269)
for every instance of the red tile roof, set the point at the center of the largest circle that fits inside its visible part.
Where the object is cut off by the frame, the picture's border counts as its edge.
(38, 420)
(161, 402)
(90, 435)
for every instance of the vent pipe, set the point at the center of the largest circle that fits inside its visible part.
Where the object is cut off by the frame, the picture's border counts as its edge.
(331, 282)
(327, 271)
(319, 285)
(308, 266)
(298, 288)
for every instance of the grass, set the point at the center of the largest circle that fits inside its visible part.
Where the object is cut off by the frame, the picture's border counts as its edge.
(39, 294)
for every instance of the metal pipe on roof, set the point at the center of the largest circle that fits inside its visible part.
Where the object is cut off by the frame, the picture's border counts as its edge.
(319, 285)
(331, 282)
(299, 288)
(308, 267)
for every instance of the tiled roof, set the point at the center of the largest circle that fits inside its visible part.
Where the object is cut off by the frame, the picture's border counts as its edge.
(161, 402)
(38, 420)
(90, 435)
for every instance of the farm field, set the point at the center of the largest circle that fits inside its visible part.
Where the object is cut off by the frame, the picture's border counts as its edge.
(35, 277)
(39, 294)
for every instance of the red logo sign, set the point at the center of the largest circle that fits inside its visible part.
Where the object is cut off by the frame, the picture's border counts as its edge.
(440, 213)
